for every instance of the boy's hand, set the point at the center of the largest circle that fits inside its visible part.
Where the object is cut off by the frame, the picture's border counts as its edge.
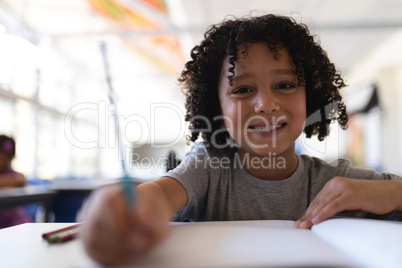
(115, 234)
(343, 194)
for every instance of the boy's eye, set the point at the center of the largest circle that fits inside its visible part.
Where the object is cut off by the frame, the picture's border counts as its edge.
(285, 86)
(242, 90)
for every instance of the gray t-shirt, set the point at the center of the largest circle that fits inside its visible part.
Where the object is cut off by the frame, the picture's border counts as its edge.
(219, 189)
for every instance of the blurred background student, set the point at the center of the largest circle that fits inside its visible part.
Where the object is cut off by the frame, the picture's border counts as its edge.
(10, 178)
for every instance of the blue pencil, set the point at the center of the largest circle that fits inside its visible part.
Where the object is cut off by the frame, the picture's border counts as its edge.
(126, 180)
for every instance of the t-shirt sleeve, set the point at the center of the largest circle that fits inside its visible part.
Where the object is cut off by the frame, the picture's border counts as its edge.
(193, 175)
(367, 174)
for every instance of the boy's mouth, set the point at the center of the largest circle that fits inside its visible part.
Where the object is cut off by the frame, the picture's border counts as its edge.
(267, 128)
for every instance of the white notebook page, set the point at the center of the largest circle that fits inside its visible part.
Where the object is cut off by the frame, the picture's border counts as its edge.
(243, 244)
(371, 243)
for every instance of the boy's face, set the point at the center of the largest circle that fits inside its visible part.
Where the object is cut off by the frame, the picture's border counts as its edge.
(265, 109)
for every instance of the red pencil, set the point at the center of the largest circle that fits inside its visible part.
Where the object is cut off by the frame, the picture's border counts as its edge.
(61, 239)
(62, 235)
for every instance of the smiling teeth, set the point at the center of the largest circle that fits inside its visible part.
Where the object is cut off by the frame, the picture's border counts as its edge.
(267, 128)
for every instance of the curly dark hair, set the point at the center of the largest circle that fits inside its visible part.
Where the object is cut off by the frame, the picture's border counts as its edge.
(314, 70)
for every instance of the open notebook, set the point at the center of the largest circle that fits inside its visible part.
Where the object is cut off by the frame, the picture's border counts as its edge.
(338, 242)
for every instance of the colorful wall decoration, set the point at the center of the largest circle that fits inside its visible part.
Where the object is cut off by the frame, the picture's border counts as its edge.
(154, 41)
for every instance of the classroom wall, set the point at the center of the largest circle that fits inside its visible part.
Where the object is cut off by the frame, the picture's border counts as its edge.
(390, 85)
(383, 68)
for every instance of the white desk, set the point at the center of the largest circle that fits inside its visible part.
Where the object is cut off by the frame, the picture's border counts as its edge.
(13, 197)
(23, 246)
(71, 193)
(80, 184)
(85, 184)
(219, 244)
(212, 244)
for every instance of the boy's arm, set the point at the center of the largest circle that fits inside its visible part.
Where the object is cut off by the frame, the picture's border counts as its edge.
(114, 233)
(343, 194)
(12, 180)
(176, 195)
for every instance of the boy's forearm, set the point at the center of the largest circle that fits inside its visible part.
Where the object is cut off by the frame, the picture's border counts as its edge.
(154, 196)
(167, 192)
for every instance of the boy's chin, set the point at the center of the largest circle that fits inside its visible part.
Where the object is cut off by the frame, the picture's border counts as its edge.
(263, 152)
(267, 149)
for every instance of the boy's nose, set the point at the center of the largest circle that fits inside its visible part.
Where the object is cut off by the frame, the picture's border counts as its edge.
(266, 103)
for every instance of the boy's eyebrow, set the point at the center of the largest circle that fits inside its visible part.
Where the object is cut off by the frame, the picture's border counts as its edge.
(244, 76)
(240, 77)
(285, 71)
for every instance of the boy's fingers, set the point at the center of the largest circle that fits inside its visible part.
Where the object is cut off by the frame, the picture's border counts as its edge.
(328, 202)
(106, 233)
(328, 211)
(321, 208)
(331, 208)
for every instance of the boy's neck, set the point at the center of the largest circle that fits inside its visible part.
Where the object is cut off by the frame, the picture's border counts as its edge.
(273, 167)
